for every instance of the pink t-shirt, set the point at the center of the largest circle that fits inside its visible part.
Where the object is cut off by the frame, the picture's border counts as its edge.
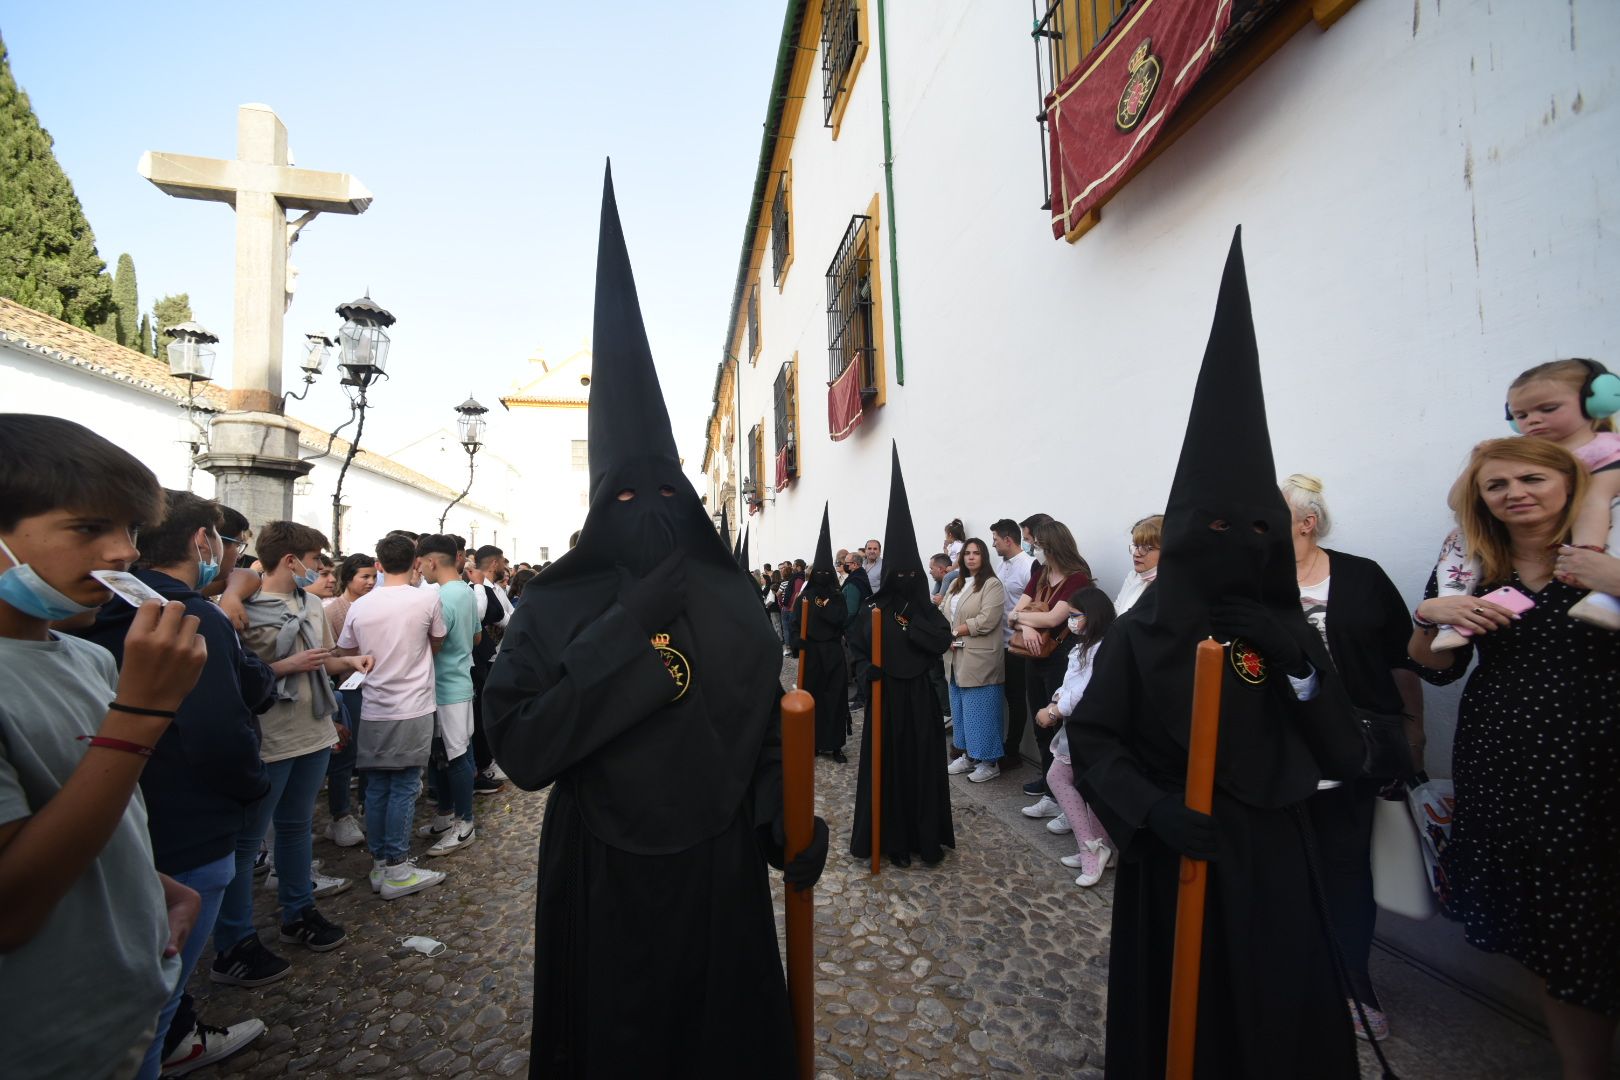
(393, 624)
(1602, 450)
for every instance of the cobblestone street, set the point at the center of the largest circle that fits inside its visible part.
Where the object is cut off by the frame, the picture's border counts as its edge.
(992, 964)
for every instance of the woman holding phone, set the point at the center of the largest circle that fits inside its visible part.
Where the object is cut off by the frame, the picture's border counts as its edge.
(1533, 865)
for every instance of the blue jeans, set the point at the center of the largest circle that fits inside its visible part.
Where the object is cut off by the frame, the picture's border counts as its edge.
(453, 786)
(210, 881)
(290, 804)
(340, 770)
(390, 808)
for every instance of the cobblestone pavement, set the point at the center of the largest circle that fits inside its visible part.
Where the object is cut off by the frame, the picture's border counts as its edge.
(992, 964)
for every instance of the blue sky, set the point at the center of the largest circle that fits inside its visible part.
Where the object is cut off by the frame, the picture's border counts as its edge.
(480, 131)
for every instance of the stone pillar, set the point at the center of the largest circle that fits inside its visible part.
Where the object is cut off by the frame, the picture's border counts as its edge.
(254, 460)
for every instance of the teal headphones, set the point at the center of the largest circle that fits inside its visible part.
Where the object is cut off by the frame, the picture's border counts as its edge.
(1600, 394)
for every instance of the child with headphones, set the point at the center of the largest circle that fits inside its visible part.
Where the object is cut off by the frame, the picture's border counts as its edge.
(1570, 402)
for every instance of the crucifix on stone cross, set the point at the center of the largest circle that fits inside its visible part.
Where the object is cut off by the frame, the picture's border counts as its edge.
(262, 186)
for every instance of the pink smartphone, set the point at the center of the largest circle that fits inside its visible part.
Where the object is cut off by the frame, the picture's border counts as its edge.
(1507, 596)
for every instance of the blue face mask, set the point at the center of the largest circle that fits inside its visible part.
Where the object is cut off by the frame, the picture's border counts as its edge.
(21, 587)
(1029, 548)
(307, 578)
(207, 570)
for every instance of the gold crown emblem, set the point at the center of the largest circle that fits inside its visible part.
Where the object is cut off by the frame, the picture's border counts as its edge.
(660, 641)
(1139, 56)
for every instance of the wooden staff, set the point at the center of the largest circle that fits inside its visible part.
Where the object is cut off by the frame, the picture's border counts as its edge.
(1206, 722)
(874, 724)
(804, 639)
(798, 823)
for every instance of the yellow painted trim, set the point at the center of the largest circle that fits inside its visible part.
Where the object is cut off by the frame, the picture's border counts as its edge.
(542, 403)
(854, 68)
(793, 424)
(874, 250)
(792, 247)
(1221, 80)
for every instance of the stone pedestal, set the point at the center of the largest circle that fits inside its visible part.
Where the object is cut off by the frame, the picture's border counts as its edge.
(254, 460)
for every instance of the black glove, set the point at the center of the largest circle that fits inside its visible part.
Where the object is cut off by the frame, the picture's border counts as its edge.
(804, 869)
(1256, 624)
(1183, 830)
(871, 675)
(660, 596)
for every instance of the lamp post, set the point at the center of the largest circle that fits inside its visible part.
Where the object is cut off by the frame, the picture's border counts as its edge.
(316, 349)
(191, 357)
(470, 425)
(364, 345)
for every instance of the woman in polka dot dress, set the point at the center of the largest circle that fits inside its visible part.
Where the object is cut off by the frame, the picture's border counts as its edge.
(1534, 858)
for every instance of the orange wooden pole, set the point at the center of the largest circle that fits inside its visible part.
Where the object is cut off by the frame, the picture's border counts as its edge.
(798, 823)
(1206, 722)
(874, 724)
(804, 640)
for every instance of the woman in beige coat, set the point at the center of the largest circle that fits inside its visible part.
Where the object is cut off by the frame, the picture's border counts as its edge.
(975, 605)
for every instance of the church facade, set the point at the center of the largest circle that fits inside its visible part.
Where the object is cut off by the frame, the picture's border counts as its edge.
(1422, 195)
(50, 367)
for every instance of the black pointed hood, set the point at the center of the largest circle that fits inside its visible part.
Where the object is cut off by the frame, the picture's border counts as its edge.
(902, 559)
(725, 527)
(823, 574)
(1226, 475)
(742, 551)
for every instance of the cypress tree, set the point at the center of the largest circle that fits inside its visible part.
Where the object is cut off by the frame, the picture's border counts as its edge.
(48, 257)
(128, 301)
(172, 310)
(143, 341)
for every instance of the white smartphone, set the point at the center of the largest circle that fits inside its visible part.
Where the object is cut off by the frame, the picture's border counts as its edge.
(127, 587)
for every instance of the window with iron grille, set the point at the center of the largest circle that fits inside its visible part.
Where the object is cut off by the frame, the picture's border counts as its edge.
(753, 322)
(840, 38)
(849, 307)
(753, 493)
(1067, 32)
(579, 452)
(781, 238)
(787, 421)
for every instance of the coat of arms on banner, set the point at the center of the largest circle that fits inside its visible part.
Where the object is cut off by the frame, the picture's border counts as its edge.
(1146, 70)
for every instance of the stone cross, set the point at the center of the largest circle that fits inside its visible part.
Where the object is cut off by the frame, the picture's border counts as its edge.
(262, 186)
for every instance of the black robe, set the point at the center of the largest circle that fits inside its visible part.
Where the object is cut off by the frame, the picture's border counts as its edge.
(655, 946)
(916, 791)
(826, 671)
(1270, 1003)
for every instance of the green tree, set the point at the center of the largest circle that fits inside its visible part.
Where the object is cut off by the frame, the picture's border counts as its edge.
(48, 257)
(128, 301)
(143, 340)
(170, 311)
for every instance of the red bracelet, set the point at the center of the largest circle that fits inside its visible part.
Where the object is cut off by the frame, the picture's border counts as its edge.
(108, 743)
(1599, 548)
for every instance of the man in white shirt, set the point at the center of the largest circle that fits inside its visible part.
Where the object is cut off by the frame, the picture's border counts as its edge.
(1013, 570)
(874, 563)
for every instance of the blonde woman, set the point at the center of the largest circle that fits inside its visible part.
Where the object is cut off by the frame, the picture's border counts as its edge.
(1533, 863)
(1146, 535)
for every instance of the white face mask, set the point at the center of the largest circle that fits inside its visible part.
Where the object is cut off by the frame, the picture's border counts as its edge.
(1075, 623)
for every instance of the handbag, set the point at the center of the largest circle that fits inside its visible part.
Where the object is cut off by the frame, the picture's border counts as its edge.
(1400, 878)
(1051, 637)
(1433, 804)
(1389, 757)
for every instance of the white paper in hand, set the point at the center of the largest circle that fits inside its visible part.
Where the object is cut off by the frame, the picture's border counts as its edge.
(353, 681)
(127, 587)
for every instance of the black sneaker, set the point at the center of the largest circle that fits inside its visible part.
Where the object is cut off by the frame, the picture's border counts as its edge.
(1036, 787)
(313, 931)
(485, 784)
(248, 963)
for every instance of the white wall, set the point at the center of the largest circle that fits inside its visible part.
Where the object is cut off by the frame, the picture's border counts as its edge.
(1428, 201)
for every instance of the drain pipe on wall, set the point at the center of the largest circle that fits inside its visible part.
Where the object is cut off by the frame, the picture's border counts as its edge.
(888, 184)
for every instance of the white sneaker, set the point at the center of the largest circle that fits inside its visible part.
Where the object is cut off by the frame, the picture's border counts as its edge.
(441, 824)
(986, 770)
(496, 772)
(1047, 807)
(404, 878)
(206, 1045)
(1093, 861)
(378, 869)
(960, 765)
(1071, 861)
(1059, 825)
(1597, 608)
(271, 881)
(346, 831)
(327, 886)
(455, 837)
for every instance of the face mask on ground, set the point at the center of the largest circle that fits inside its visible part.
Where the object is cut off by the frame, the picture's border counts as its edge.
(207, 569)
(22, 588)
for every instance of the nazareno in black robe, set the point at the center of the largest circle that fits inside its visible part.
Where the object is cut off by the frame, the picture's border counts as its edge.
(826, 669)
(655, 949)
(1270, 1001)
(916, 792)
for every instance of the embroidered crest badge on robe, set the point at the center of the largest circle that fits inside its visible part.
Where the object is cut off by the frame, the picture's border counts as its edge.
(678, 666)
(1249, 664)
(1145, 72)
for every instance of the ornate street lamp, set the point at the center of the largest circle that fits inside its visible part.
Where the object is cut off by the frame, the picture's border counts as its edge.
(191, 357)
(317, 347)
(470, 424)
(364, 359)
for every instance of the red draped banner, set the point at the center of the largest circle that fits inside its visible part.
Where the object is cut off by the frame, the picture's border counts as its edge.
(1109, 110)
(844, 402)
(783, 477)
